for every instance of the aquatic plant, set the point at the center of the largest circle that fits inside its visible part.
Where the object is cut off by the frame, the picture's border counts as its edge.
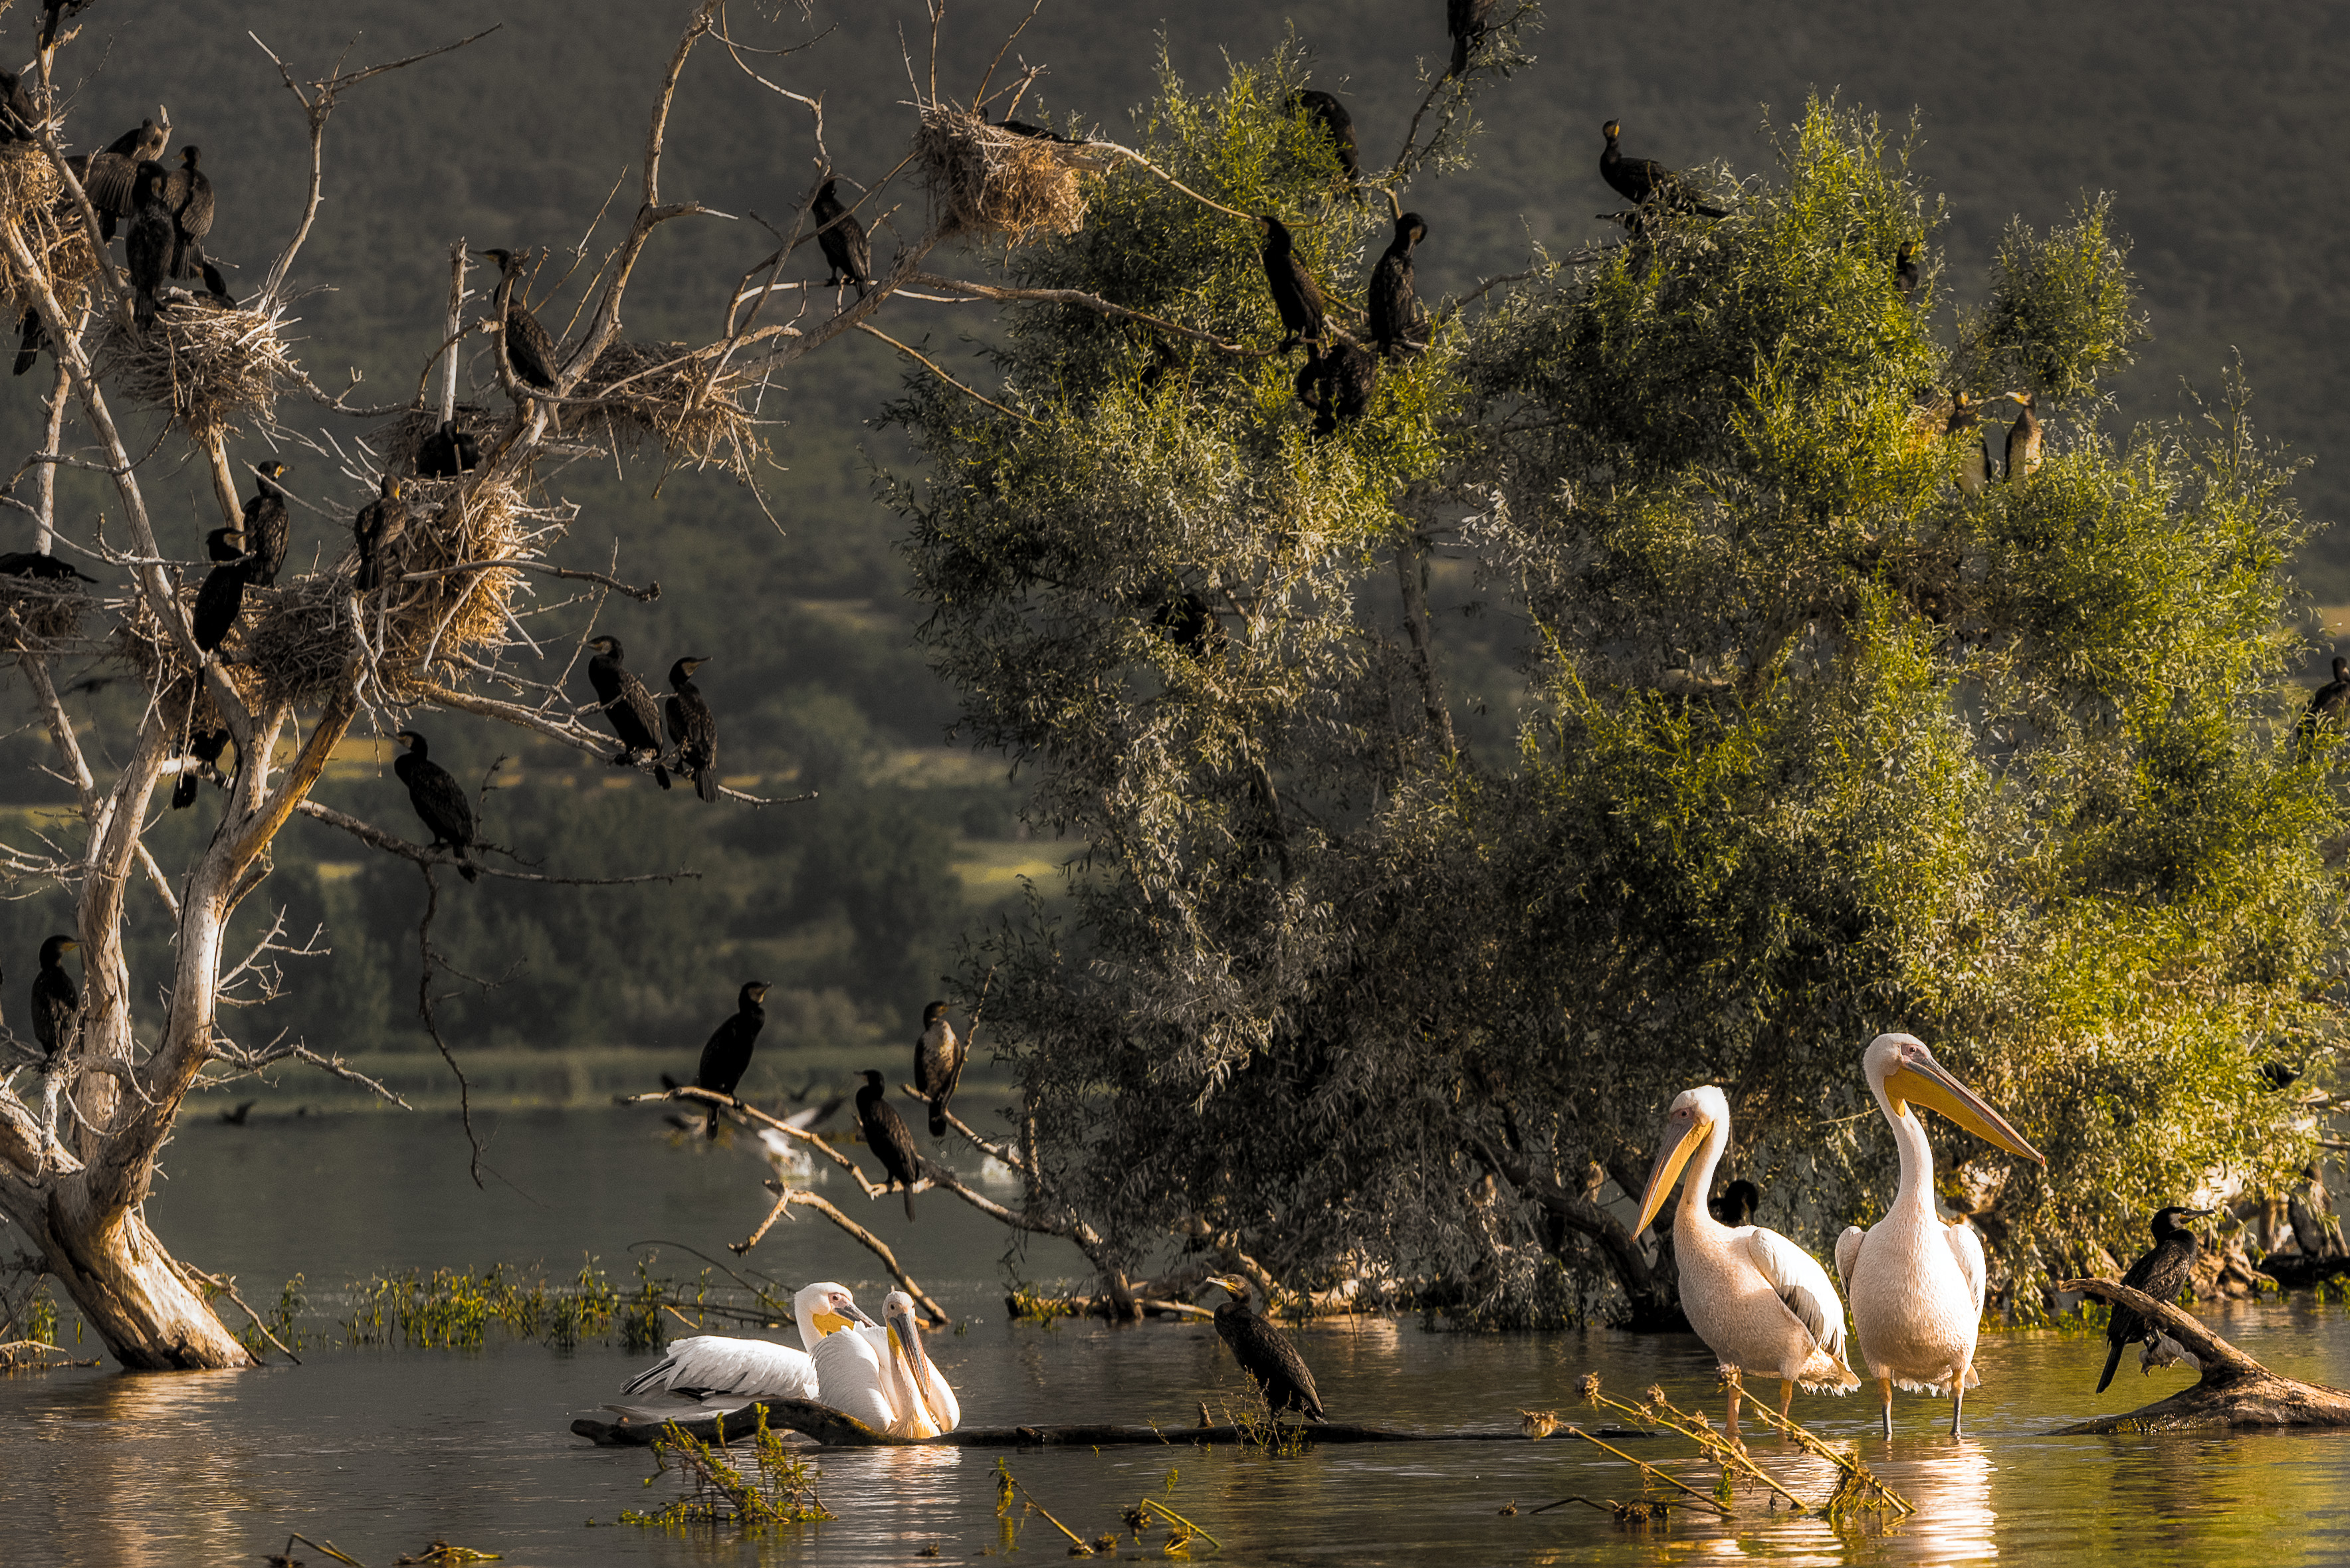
(779, 1488)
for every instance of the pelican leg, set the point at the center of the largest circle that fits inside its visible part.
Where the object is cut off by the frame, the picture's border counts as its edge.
(1959, 1397)
(1786, 1401)
(1731, 1429)
(1884, 1396)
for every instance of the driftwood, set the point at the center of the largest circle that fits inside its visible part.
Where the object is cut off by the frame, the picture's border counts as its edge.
(2300, 1271)
(2234, 1390)
(834, 1429)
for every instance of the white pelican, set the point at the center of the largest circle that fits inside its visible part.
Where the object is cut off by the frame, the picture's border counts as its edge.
(1762, 1304)
(883, 1378)
(1915, 1283)
(724, 1373)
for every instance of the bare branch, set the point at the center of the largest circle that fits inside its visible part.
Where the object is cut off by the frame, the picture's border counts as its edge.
(931, 365)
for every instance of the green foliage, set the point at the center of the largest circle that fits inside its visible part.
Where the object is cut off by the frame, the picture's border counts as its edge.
(779, 1488)
(452, 1309)
(2061, 311)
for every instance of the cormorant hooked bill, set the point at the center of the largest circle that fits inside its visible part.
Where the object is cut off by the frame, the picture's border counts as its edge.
(1639, 179)
(886, 1136)
(626, 702)
(847, 251)
(939, 1057)
(2162, 1272)
(439, 801)
(1265, 1353)
(727, 1056)
(693, 729)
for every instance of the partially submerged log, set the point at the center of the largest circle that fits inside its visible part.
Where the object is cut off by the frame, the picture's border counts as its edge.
(2300, 1271)
(2234, 1390)
(834, 1429)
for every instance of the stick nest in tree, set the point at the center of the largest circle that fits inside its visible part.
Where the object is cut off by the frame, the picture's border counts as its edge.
(398, 443)
(985, 179)
(205, 366)
(677, 396)
(29, 188)
(40, 616)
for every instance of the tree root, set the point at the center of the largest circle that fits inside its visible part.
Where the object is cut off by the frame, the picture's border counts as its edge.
(2234, 1391)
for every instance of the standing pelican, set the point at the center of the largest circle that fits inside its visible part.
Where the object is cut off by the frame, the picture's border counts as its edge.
(1762, 1304)
(727, 1373)
(881, 1376)
(1915, 1283)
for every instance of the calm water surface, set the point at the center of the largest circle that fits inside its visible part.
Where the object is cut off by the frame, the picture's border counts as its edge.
(382, 1451)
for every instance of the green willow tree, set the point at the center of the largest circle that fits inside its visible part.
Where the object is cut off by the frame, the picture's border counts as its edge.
(1825, 745)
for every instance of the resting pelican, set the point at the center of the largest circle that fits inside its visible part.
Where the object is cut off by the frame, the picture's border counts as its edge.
(1762, 1304)
(724, 1373)
(1915, 1283)
(882, 1376)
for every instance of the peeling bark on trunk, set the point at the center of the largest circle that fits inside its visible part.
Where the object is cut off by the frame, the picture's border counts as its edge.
(2234, 1390)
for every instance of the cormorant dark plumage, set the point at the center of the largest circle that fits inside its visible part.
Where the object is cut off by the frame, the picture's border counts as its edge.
(110, 178)
(529, 350)
(1192, 624)
(886, 1136)
(267, 524)
(55, 999)
(847, 251)
(635, 717)
(1294, 294)
(205, 751)
(2022, 440)
(1265, 1353)
(221, 598)
(1738, 1204)
(448, 453)
(727, 1056)
(147, 248)
(1337, 385)
(693, 729)
(382, 528)
(189, 193)
(939, 1055)
(1394, 298)
(31, 339)
(17, 116)
(1339, 124)
(1468, 21)
(1641, 180)
(2162, 1273)
(439, 801)
(42, 568)
(1905, 270)
(2279, 1077)
(215, 285)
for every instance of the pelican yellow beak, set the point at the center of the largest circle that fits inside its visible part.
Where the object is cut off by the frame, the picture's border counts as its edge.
(1668, 1170)
(1923, 1080)
(905, 1344)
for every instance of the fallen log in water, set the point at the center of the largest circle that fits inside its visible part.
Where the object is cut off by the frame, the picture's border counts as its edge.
(2234, 1390)
(834, 1429)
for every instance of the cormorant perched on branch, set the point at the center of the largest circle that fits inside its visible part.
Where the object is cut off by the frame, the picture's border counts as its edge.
(1339, 123)
(439, 801)
(221, 598)
(41, 569)
(1468, 21)
(206, 750)
(1265, 1353)
(1639, 179)
(2022, 441)
(31, 339)
(2162, 1273)
(630, 708)
(1294, 294)
(693, 729)
(1336, 384)
(529, 350)
(56, 999)
(1974, 462)
(847, 251)
(448, 453)
(147, 248)
(17, 115)
(1193, 625)
(2325, 706)
(1395, 299)
(267, 526)
(939, 1055)
(110, 177)
(380, 527)
(189, 193)
(727, 1056)
(886, 1136)
(1905, 270)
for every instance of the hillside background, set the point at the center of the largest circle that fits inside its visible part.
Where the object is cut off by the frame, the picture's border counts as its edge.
(2219, 135)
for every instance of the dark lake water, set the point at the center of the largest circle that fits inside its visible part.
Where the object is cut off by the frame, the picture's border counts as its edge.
(382, 1451)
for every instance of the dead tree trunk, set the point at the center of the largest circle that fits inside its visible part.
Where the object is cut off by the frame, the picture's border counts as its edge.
(2234, 1390)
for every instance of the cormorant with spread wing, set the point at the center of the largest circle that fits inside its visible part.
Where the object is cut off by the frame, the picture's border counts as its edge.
(626, 702)
(1468, 21)
(727, 1056)
(147, 248)
(1639, 180)
(1295, 293)
(56, 999)
(189, 193)
(847, 251)
(111, 176)
(221, 598)
(939, 1055)
(2162, 1272)
(1265, 1353)
(267, 524)
(886, 1136)
(439, 801)
(382, 528)
(448, 453)
(1395, 299)
(529, 350)
(693, 729)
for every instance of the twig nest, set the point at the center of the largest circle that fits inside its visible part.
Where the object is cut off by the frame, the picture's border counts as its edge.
(692, 401)
(985, 179)
(205, 365)
(38, 616)
(398, 444)
(29, 189)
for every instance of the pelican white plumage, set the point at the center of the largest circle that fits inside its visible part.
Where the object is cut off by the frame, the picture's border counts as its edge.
(883, 1376)
(1915, 1283)
(725, 1374)
(1762, 1304)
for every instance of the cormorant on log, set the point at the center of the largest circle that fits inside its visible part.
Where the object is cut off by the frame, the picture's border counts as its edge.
(939, 1055)
(1265, 1353)
(205, 750)
(1468, 21)
(1394, 298)
(2326, 705)
(693, 729)
(1294, 294)
(1192, 626)
(221, 598)
(2162, 1272)
(41, 569)
(1905, 270)
(847, 251)
(267, 524)
(1738, 1204)
(626, 702)
(1340, 125)
(529, 350)
(439, 801)
(56, 999)
(886, 1136)
(1639, 179)
(381, 528)
(448, 453)
(110, 177)
(1336, 383)
(189, 193)
(727, 1056)
(147, 248)
(2022, 441)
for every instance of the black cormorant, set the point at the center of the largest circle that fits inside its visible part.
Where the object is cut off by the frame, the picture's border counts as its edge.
(448, 453)
(2325, 706)
(1265, 1353)
(847, 251)
(2162, 1273)
(693, 729)
(1340, 125)
(110, 178)
(635, 717)
(56, 999)
(18, 118)
(2279, 1077)
(1639, 179)
(1394, 299)
(2022, 440)
(1295, 293)
(147, 248)
(727, 1056)
(939, 1057)
(1468, 21)
(1905, 270)
(529, 350)
(221, 598)
(57, 10)
(439, 801)
(205, 751)
(41, 569)
(886, 1136)
(1337, 385)
(189, 193)
(1738, 1204)
(1193, 627)
(267, 524)
(31, 338)
(381, 528)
